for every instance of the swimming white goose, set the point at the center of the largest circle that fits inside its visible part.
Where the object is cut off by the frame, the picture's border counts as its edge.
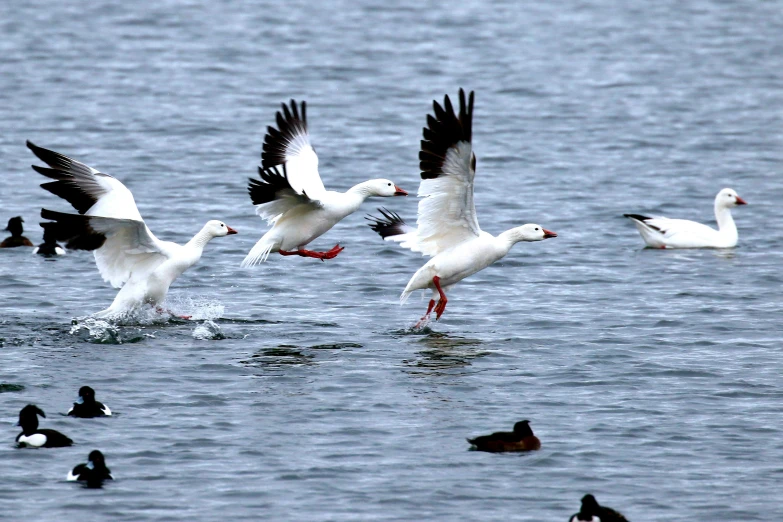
(291, 196)
(661, 232)
(448, 229)
(127, 253)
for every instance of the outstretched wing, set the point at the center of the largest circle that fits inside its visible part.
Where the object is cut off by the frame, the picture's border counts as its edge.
(89, 191)
(121, 246)
(447, 216)
(273, 194)
(289, 144)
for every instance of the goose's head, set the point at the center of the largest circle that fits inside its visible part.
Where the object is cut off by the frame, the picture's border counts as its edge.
(217, 228)
(28, 417)
(532, 232)
(384, 188)
(728, 198)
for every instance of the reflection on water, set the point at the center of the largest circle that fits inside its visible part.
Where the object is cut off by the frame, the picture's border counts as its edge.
(725, 253)
(689, 254)
(279, 357)
(444, 352)
(287, 355)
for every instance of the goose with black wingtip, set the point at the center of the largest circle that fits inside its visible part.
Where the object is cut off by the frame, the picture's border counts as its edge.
(127, 253)
(291, 196)
(661, 232)
(447, 226)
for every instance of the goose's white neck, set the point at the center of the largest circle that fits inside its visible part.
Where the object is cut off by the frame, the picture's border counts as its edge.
(362, 190)
(350, 201)
(200, 240)
(511, 237)
(726, 225)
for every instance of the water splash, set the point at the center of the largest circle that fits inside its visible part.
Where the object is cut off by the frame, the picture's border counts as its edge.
(145, 315)
(208, 331)
(196, 308)
(96, 330)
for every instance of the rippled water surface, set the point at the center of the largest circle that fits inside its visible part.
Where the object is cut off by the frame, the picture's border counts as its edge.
(298, 391)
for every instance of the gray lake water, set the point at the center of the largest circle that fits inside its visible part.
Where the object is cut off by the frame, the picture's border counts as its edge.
(299, 390)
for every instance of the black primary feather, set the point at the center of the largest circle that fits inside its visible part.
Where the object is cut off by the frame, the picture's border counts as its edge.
(443, 131)
(290, 123)
(391, 224)
(271, 184)
(74, 230)
(643, 219)
(637, 217)
(68, 174)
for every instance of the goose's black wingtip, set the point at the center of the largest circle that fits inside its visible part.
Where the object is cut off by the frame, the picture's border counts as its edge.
(445, 129)
(389, 224)
(637, 217)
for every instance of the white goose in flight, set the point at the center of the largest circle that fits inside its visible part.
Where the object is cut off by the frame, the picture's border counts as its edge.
(448, 230)
(291, 196)
(127, 253)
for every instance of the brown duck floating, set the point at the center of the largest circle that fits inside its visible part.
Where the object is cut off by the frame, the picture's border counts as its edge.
(521, 439)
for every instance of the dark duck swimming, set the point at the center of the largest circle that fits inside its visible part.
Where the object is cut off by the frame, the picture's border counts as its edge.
(521, 439)
(93, 472)
(86, 406)
(592, 511)
(16, 239)
(32, 437)
(49, 247)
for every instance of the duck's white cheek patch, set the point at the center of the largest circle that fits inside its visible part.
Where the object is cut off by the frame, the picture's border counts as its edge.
(36, 440)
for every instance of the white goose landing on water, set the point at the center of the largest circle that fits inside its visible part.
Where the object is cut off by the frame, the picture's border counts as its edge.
(127, 253)
(661, 232)
(291, 196)
(448, 230)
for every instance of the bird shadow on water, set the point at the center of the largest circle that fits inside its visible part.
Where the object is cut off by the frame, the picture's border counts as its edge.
(288, 355)
(442, 354)
(278, 358)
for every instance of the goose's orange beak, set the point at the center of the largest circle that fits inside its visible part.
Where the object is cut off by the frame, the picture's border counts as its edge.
(399, 192)
(548, 233)
(741, 201)
(230, 231)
